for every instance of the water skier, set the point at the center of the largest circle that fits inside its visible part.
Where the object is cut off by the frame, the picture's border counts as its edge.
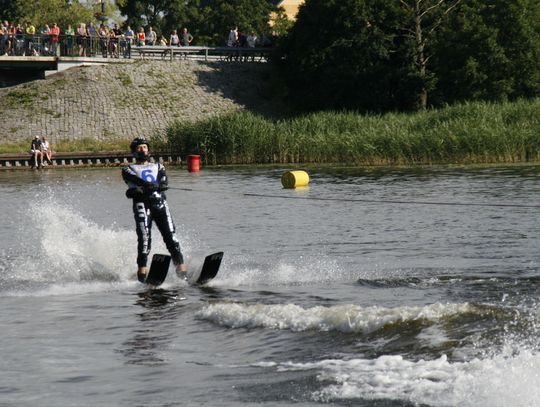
(147, 182)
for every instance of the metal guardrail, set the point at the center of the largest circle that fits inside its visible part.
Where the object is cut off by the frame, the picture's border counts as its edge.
(25, 160)
(222, 53)
(64, 45)
(120, 47)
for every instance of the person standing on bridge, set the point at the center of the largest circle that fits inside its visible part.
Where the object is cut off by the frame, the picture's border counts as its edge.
(147, 183)
(30, 32)
(151, 37)
(174, 40)
(187, 38)
(141, 37)
(82, 39)
(70, 34)
(129, 35)
(3, 38)
(232, 40)
(55, 38)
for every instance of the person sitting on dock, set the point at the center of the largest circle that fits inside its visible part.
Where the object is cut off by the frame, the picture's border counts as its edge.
(46, 150)
(37, 155)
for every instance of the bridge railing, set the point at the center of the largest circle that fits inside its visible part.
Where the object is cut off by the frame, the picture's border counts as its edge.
(120, 47)
(237, 54)
(64, 45)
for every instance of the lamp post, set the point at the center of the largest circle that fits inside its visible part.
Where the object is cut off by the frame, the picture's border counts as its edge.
(101, 14)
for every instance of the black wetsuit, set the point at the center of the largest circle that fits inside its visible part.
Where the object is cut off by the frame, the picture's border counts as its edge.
(147, 183)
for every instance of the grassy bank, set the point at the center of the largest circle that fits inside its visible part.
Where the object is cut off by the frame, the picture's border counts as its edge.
(469, 133)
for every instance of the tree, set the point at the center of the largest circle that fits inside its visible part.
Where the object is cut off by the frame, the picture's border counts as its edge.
(411, 54)
(343, 54)
(247, 15)
(208, 20)
(490, 50)
(41, 12)
(281, 24)
(423, 19)
(142, 13)
(9, 10)
(189, 14)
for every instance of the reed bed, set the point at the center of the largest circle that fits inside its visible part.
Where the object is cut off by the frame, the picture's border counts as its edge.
(475, 132)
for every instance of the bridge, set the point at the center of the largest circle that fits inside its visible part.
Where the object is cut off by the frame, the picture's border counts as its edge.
(21, 68)
(16, 69)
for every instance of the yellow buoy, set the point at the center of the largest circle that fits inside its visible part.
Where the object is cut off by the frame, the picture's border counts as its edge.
(294, 179)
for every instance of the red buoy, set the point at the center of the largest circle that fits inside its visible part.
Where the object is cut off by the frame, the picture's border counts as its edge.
(194, 163)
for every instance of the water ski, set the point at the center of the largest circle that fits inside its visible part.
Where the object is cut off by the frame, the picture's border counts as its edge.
(160, 267)
(209, 269)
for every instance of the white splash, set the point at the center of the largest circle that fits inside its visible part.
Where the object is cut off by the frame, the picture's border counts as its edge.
(500, 381)
(63, 289)
(70, 254)
(75, 246)
(81, 238)
(241, 271)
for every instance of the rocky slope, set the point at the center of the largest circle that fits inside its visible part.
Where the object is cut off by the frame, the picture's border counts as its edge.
(126, 99)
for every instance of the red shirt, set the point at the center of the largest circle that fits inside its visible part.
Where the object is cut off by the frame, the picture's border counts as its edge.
(54, 32)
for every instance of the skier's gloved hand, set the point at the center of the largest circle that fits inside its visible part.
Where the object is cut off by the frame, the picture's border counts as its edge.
(136, 192)
(149, 187)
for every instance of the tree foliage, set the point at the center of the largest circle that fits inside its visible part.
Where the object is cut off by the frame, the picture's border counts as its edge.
(9, 10)
(41, 12)
(62, 12)
(143, 13)
(247, 15)
(281, 24)
(422, 20)
(341, 53)
(490, 51)
(386, 55)
(208, 20)
(185, 13)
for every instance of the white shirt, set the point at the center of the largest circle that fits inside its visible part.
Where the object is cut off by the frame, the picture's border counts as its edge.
(233, 37)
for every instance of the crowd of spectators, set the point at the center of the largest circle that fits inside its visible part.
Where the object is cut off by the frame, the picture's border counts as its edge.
(21, 39)
(83, 40)
(241, 39)
(87, 40)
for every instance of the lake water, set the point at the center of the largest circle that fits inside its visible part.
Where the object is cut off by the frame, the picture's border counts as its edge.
(377, 287)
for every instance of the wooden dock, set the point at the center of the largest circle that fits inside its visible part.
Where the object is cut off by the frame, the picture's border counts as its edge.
(82, 159)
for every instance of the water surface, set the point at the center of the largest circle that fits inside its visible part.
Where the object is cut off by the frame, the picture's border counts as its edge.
(371, 287)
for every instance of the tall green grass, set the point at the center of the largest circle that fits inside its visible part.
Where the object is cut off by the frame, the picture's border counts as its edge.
(478, 132)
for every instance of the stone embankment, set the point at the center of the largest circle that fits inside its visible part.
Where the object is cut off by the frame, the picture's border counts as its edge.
(124, 100)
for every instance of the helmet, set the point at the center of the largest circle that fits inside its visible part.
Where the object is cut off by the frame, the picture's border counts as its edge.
(137, 142)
